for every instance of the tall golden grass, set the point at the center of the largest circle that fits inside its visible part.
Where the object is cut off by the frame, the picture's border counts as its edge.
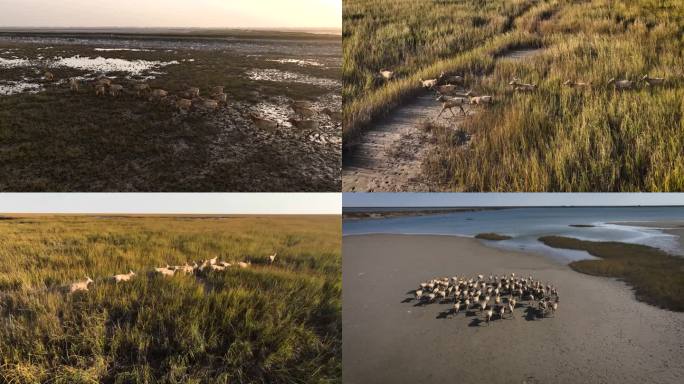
(557, 138)
(275, 323)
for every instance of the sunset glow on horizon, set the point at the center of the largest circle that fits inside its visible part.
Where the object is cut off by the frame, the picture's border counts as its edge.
(291, 14)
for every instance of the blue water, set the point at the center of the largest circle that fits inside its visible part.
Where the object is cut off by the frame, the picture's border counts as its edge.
(526, 225)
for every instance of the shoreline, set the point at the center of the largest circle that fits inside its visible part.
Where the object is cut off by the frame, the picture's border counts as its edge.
(601, 333)
(670, 227)
(386, 213)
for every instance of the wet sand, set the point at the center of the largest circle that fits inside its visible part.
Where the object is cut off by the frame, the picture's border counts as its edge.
(672, 227)
(600, 334)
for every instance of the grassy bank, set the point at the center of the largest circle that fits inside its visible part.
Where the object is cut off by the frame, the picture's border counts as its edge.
(418, 39)
(492, 236)
(657, 277)
(556, 138)
(277, 323)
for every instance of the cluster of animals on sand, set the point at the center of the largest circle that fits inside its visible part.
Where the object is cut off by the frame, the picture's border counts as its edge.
(494, 297)
(169, 271)
(451, 94)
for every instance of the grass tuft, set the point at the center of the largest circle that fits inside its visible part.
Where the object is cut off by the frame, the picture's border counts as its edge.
(492, 236)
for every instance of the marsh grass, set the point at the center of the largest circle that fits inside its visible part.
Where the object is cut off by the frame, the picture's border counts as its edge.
(657, 277)
(554, 139)
(492, 236)
(277, 323)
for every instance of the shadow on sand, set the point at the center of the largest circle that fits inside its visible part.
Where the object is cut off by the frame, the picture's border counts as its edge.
(531, 313)
(476, 322)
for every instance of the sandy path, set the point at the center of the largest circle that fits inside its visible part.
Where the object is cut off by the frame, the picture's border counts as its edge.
(370, 168)
(601, 334)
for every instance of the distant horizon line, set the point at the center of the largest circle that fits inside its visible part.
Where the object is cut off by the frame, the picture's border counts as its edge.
(516, 206)
(180, 27)
(7, 214)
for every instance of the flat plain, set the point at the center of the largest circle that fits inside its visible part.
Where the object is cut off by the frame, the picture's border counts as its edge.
(53, 138)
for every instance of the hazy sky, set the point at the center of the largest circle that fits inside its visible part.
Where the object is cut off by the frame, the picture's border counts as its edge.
(172, 13)
(205, 203)
(508, 199)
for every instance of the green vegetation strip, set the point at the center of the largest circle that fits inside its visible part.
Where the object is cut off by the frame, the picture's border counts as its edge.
(657, 277)
(269, 323)
(492, 236)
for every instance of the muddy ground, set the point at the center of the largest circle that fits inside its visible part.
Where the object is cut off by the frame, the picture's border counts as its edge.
(52, 139)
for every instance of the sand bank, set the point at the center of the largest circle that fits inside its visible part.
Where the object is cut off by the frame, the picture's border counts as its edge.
(601, 334)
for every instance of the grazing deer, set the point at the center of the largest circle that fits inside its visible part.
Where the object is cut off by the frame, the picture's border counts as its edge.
(621, 85)
(386, 74)
(449, 103)
(115, 89)
(653, 81)
(100, 90)
(73, 84)
(141, 89)
(80, 285)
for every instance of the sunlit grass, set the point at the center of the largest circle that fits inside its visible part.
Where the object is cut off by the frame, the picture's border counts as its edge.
(557, 138)
(268, 323)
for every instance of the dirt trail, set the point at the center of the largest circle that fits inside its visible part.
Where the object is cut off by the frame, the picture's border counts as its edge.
(390, 155)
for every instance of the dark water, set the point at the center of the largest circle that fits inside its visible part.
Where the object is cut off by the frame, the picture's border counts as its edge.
(526, 225)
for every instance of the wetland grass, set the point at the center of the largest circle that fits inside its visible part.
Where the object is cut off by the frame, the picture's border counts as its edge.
(269, 323)
(656, 276)
(556, 138)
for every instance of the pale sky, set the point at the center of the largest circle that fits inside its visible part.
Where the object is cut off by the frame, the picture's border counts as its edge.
(172, 13)
(508, 199)
(172, 203)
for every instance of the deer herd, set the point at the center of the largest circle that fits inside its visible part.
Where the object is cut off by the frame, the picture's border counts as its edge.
(452, 94)
(213, 264)
(184, 102)
(492, 297)
(191, 99)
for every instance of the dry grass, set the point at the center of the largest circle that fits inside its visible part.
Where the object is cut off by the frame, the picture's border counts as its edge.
(277, 323)
(556, 138)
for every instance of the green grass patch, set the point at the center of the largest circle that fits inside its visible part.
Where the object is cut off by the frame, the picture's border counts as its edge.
(657, 277)
(492, 236)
